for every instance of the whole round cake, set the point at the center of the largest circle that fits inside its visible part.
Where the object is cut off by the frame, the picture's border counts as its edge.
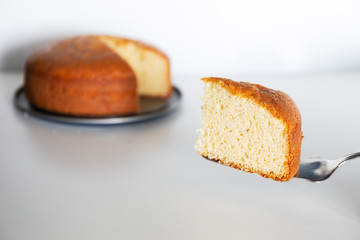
(96, 76)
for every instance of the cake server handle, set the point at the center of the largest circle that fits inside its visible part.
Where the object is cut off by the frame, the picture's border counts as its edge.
(318, 169)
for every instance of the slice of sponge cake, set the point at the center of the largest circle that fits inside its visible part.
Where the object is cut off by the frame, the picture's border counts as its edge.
(251, 128)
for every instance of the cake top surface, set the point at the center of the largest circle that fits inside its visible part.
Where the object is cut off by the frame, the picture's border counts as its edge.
(77, 58)
(119, 40)
(278, 103)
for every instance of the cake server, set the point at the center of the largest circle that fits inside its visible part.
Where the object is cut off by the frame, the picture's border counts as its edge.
(317, 169)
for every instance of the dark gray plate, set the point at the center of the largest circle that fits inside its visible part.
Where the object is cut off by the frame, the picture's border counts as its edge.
(149, 109)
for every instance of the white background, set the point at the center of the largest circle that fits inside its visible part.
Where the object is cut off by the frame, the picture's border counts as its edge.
(146, 181)
(202, 37)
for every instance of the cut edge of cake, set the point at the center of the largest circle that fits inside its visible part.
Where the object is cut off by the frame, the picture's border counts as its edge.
(150, 65)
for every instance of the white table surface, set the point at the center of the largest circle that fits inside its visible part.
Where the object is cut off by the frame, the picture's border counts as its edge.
(146, 181)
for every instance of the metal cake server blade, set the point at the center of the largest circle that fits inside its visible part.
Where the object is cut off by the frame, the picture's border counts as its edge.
(318, 169)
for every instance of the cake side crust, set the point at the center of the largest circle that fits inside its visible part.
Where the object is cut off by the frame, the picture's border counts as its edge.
(77, 99)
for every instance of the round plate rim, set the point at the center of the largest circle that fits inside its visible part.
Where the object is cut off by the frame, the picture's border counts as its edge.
(171, 104)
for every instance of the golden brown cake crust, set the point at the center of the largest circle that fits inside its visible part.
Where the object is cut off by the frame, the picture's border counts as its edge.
(247, 169)
(281, 106)
(65, 78)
